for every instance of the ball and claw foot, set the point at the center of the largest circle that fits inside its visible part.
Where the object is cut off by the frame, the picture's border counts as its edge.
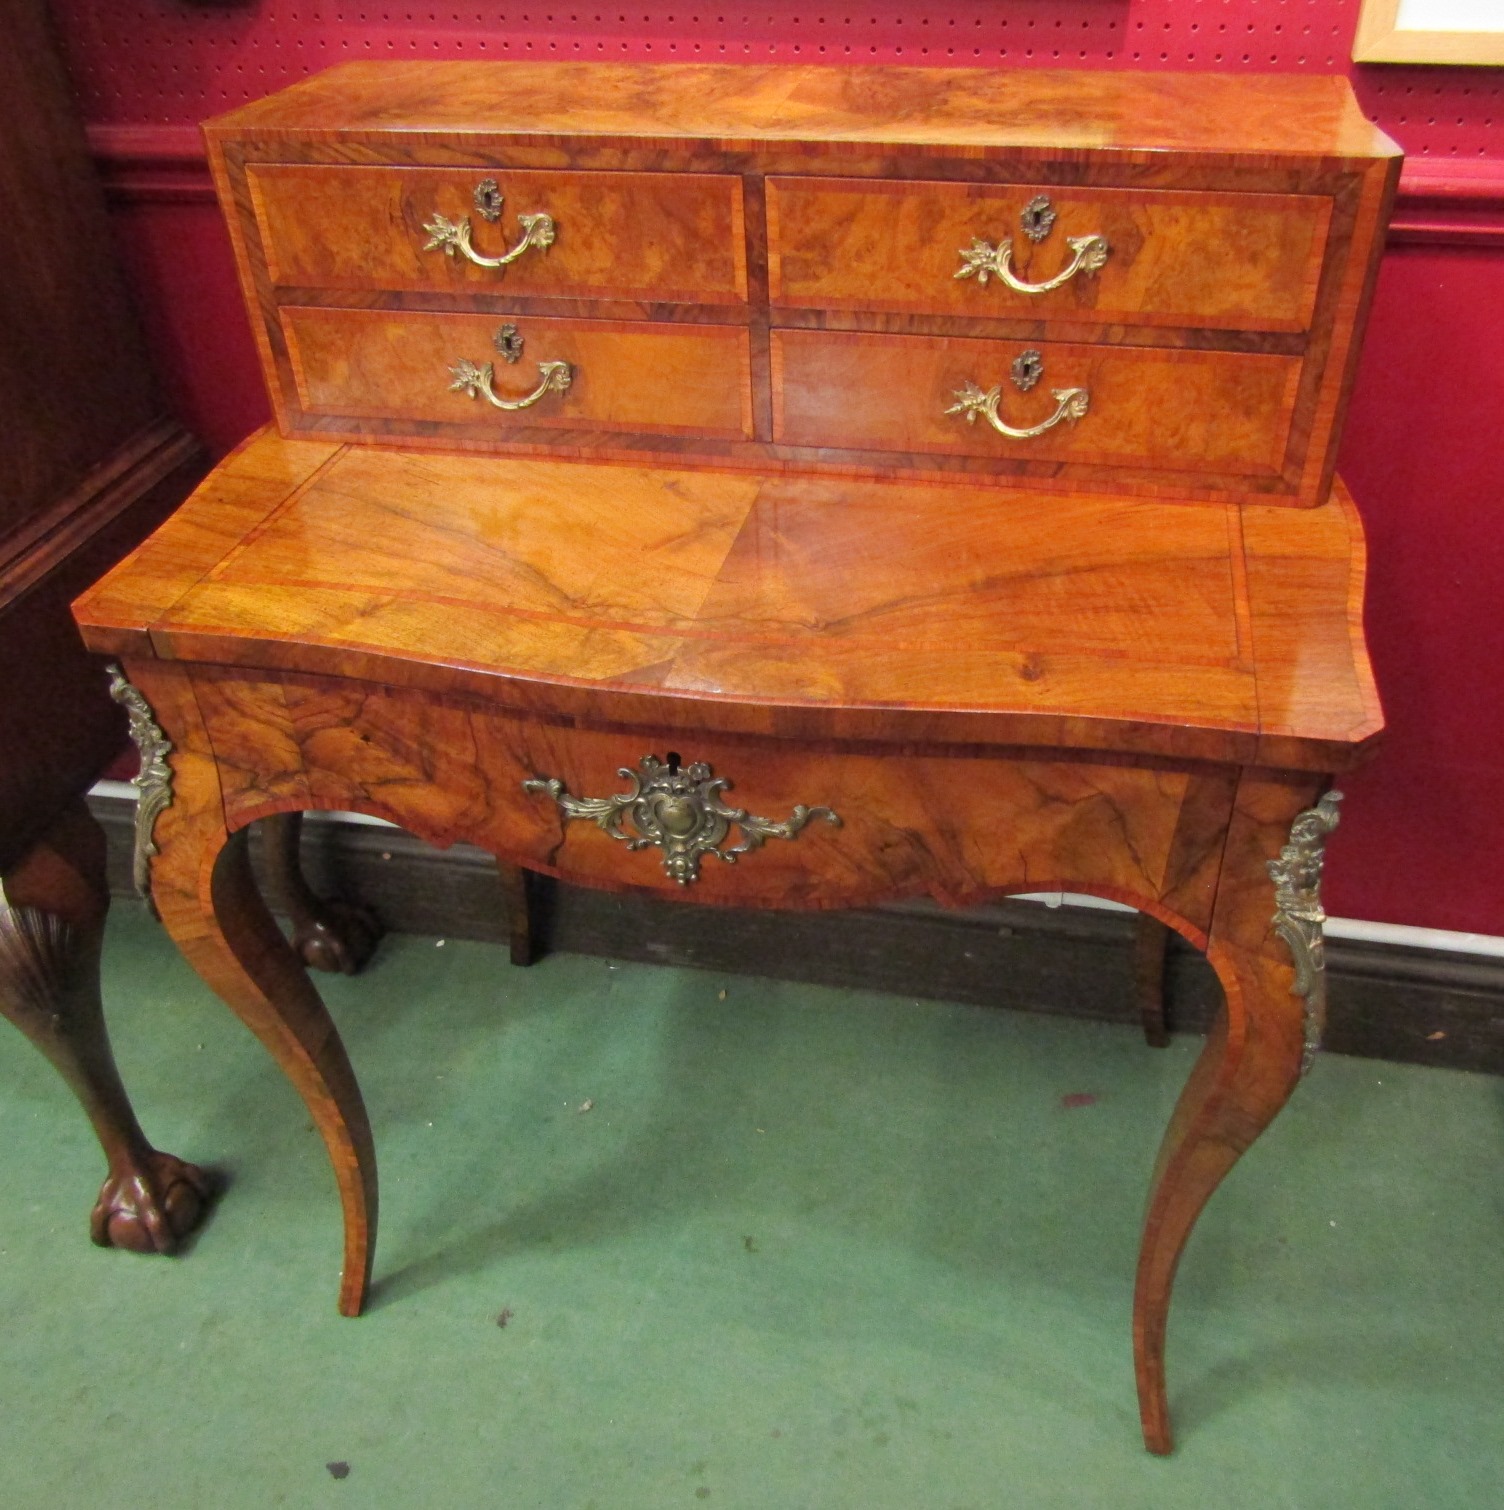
(151, 1208)
(328, 934)
(336, 937)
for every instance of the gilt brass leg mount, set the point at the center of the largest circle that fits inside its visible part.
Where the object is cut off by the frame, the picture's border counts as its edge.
(1298, 913)
(153, 782)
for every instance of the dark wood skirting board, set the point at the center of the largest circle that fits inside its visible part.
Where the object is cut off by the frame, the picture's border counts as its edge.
(1386, 1002)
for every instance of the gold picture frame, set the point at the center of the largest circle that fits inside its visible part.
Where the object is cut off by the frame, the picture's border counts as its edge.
(1382, 39)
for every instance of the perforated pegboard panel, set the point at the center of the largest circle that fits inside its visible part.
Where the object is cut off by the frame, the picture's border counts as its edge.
(182, 60)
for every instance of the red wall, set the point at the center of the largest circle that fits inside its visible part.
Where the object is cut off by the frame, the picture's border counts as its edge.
(1422, 840)
(1423, 828)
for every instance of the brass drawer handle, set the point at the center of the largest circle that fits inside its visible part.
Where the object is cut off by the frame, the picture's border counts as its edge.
(981, 260)
(452, 237)
(677, 809)
(553, 377)
(1070, 405)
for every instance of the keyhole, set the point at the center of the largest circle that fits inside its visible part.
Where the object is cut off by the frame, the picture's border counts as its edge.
(673, 762)
(488, 199)
(1038, 217)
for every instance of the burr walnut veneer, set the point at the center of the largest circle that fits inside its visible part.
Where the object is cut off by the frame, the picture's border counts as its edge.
(734, 586)
(799, 268)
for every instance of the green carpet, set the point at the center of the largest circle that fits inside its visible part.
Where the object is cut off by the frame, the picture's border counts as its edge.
(805, 1248)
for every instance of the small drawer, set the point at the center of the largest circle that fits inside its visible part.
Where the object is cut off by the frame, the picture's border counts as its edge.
(1206, 260)
(659, 378)
(1183, 411)
(649, 236)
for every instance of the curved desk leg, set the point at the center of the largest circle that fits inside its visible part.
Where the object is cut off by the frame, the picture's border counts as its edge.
(329, 934)
(1245, 1074)
(202, 884)
(52, 911)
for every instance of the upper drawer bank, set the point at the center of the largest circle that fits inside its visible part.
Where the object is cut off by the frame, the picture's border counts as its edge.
(669, 241)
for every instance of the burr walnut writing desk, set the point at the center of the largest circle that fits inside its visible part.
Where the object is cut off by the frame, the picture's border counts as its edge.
(877, 483)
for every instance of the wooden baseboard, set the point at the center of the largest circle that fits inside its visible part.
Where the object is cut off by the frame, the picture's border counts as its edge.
(1386, 1002)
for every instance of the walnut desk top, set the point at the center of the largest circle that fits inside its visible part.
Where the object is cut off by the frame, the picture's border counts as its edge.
(1107, 695)
(815, 609)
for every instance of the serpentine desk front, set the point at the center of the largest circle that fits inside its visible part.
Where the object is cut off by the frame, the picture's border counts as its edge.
(754, 594)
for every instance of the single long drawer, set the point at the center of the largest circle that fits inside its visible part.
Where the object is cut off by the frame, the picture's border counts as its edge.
(1177, 410)
(1209, 260)
(657, 236)
(634, 376)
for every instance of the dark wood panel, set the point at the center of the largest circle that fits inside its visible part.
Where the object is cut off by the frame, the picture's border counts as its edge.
(89, 459)
(74, 381)
(60, 728)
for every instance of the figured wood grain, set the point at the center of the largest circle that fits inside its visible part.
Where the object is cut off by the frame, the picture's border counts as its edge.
(1206, 261)
(1302, 613)
(244, 488)
(1051, 685)
(202, 886)
(654, 236)
(1024, 113)
(1245, 1074)
(1250, 232)
(784, 606)
(1189, 847)
(1350, 283)
(666, 378)
(953, 828)
(1168, 410)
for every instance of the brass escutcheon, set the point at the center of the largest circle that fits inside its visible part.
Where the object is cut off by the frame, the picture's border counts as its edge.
(679, 810)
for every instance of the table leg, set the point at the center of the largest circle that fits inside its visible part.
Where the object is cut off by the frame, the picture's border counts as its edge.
(52, 912)
(1246, 1072)
(206, 895)
(330, 933)
(1151, 940)
(517, 884)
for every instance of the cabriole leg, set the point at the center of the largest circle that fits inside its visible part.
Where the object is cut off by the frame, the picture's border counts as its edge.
(1252, 1061)
(52, 912)
(207, 898)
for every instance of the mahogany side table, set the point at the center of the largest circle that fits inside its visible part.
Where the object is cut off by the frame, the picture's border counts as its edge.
(86, 470)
